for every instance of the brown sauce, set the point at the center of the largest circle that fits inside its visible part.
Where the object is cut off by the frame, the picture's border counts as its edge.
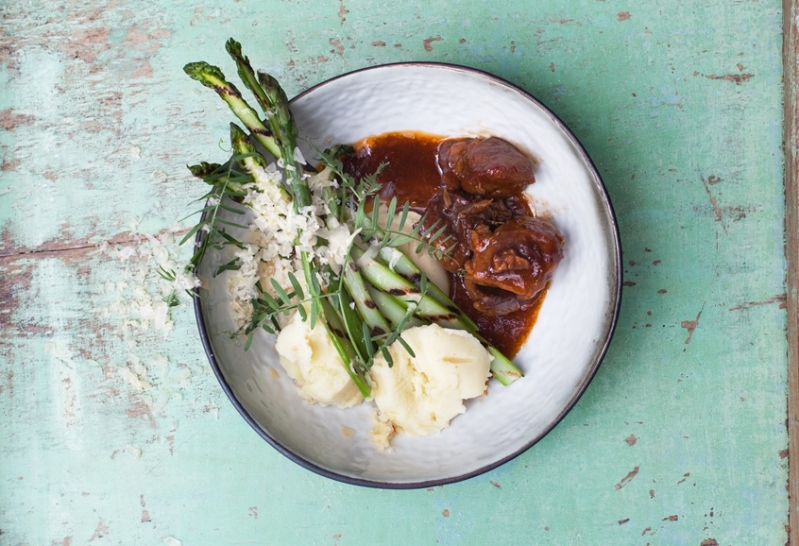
(506, 332)
(410, 173)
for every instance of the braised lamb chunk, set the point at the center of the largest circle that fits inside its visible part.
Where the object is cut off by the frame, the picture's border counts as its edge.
(462, 213)
(511, 265)
(485, 167)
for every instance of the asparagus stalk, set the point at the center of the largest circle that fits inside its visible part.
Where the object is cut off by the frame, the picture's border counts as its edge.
(338, 336)
(367, 308)
(406, 267)
(394, 310)
(282, 122)
(353, 325)
(275, 104)
(204, 170)
(212, 77)
(220, 177)
(253, 162)
(382, 277)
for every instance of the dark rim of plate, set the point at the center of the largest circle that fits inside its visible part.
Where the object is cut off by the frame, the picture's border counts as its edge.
(599, 356)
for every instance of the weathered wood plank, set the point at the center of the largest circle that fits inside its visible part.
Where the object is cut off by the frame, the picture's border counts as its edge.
(791, 104)
(115, 432)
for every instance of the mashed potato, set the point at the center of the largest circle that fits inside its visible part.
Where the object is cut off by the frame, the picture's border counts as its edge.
(420, 395)
(309, 358)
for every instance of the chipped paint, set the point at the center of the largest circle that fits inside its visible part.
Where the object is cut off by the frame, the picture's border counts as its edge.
(626, 479)
(691, 325)
(738, 79)
(715, 205)
(428, 42)
(342, 12)
(780, 298)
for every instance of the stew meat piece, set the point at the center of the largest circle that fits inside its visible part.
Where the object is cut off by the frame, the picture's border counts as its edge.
(461, 213)
(506, 255)
(511, 265)
(485, 167)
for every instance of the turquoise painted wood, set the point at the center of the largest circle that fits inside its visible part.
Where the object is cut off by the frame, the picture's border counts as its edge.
(114, 430)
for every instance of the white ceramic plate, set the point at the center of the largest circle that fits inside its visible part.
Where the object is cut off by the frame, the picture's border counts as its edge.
(566, 345)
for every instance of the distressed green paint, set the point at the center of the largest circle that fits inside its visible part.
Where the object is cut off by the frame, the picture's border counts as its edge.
(680, 438)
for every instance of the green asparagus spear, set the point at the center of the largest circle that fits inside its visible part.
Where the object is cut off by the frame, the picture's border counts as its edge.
(338, 336)
(211, 76)
(393, 309)
(251, 161)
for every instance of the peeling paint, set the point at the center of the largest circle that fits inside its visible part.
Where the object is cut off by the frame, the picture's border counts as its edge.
(428, 43)
(691, 325)
(715, 205)
(338, 47)
(9, 120)
(781, 299)
(342, 12)
(100, 532)
(738, 79)
(626, 479)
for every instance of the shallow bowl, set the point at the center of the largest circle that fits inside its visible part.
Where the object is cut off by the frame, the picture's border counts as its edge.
(564, 349)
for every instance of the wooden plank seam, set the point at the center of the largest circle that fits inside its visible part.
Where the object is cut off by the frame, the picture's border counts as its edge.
(791, 117)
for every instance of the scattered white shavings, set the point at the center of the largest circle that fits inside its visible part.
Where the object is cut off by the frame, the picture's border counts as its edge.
(134, 452)
(141, 293)
(318, 181)
(305, 223)
(298, 157)
(268, 246)
(339, 241)
(171, 541)
(135, 376)
(396, 255)
(276, 236)
(241, 285)
(125, 253)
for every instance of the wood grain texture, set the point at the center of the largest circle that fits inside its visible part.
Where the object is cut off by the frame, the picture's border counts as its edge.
(114, 430)
(791, 104)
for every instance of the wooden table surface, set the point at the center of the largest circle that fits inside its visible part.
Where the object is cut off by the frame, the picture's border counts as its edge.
(114, 430)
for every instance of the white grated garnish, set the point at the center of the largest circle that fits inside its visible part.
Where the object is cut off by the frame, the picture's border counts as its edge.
(395, 257)
(298, 157)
